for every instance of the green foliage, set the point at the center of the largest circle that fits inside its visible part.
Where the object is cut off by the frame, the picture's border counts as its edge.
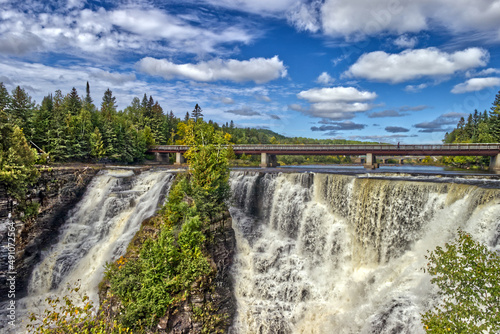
(169, 265)
(17, 160)
(466, 273)
(72, 313)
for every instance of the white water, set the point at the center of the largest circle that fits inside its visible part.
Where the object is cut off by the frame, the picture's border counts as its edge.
(320, 253)
(97, 230)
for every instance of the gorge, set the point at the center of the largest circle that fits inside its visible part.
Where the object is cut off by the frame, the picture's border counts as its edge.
(315, 252)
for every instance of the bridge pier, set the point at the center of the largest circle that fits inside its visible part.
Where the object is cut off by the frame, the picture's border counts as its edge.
(371, 161)
(268, 160)
(179, 159)
(495, 163)
(162, 158)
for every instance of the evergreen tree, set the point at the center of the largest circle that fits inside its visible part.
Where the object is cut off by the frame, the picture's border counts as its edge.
(72, 102)
(495, 118)
(97, 145)
(5, 99)
(21, 110)
(196, 113)
(108, 105)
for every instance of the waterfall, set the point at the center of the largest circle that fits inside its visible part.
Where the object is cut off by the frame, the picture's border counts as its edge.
(327, 253)
(96, 231)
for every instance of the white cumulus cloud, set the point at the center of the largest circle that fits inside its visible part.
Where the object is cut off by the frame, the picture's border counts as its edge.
(475, 84)
(406, 42)
(359, 18)
(259, 70)
(336, 94)
(325, 79)
(413, 64)
(336, 102)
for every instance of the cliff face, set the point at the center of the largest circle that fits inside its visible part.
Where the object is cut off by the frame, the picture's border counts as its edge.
(210, 305)
(57, 191)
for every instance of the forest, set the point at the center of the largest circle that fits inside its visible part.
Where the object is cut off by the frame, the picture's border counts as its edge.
(480, 127)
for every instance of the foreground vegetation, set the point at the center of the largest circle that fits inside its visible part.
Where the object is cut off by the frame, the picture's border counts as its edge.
(466, 273)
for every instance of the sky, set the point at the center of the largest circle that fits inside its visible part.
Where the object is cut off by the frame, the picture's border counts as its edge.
(377, 70)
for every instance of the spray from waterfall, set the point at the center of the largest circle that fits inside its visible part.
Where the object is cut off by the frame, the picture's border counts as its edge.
(326, 253)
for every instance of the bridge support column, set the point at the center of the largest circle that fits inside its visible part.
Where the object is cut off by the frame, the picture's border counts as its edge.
(179, 159)
(495, 163)
(371, 161)
(268, 160)
(162, 158)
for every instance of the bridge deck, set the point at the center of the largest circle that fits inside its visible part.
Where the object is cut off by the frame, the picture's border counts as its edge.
(393, 150)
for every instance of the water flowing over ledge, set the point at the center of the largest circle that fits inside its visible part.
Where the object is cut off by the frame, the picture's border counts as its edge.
(329, 253)
(96, 231)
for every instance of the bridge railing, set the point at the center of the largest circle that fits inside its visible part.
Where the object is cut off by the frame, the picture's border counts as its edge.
(367, 148)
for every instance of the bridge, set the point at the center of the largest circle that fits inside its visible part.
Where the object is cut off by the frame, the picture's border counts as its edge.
(268, 152)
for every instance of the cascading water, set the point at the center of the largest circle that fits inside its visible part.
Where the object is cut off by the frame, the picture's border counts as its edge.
(97, 230)
(326, 253)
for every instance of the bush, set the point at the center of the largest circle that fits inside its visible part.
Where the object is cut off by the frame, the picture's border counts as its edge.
(467, 275)
(65, 316)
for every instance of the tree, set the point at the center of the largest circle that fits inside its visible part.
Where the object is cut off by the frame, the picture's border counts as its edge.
(21, 110)
(209, 166)
(96, 145)
(17, 160)
(108, 105)
(197, 112)
(466, 273)
(5, 98)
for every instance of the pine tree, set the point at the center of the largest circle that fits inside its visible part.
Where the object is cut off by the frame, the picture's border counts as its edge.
(21, 110)
(72, 102)
(97, 145)
(196, 113)
(5, 99)
(108, 105)
(495, 118)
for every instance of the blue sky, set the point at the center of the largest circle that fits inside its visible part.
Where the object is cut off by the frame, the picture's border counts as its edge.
(381, 70)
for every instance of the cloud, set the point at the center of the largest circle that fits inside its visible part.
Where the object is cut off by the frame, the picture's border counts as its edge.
(386, 113)
(361, 18)
(19, 43)
(475, 84)
(438, 124)
(335, 103)
(259, 70)
(264, 98)
(414, 64)
(227, 100)
(414, 108)
(253, 6)
(405, 42)
(245, 111)
(274, 117)
(114, 78)
(325, 79)
(97, 31)
(396, 129)
(415, 88)
(383, 139)
(339, 126)
(336, 94)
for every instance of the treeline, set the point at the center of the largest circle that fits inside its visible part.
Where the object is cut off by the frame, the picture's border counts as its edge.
(71, 128)
(478, 128)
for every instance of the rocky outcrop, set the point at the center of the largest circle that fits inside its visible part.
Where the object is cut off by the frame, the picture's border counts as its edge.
(57, 191)
(210, 305)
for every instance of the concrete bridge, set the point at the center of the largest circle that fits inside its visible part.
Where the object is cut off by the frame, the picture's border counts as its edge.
(268, 152)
